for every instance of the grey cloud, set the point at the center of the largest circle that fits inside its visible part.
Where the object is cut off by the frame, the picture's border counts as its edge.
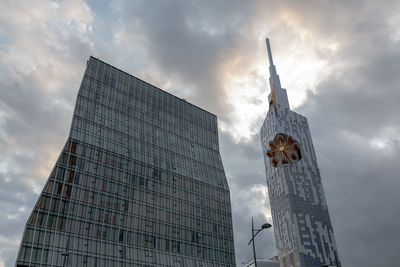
(16, 198)
(243, 160)
(361, 181)
(29, 135)
(191, 42)
(193, 45)
(41, 62)
(354, 106)
(244, 166)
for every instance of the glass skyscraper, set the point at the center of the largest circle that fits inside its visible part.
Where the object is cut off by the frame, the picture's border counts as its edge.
(139, 182)
(302, 226)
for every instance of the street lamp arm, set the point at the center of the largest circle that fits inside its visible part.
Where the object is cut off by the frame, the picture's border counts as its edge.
(264, 226)
(259, 230)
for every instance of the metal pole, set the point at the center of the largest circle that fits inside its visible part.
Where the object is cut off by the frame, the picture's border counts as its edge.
(65, 258)
(254, 247)
(65, 255)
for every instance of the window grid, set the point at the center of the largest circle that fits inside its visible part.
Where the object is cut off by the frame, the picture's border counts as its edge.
(139, 181)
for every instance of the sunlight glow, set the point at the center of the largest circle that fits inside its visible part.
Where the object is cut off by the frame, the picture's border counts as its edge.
(379, 143)
(299, 69)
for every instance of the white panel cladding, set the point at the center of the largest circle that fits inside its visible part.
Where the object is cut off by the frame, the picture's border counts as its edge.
(302, 227)
(297, 181)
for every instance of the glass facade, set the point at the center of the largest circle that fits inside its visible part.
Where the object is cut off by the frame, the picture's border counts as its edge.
(139, 182)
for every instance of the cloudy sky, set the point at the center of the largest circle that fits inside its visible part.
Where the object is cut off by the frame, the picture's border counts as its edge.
(339, 60)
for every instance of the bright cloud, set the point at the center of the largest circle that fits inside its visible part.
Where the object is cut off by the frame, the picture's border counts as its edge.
(338, 61)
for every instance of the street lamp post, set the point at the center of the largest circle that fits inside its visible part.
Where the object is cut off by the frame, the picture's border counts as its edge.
(330, 265)
(264, 226)
(65, 255)
(335, 264)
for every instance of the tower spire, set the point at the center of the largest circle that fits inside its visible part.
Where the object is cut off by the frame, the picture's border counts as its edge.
(278, 97)
(271, 62)
(274, 80)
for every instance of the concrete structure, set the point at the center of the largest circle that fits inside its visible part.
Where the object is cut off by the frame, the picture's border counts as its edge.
(303, 231)
(139, 182)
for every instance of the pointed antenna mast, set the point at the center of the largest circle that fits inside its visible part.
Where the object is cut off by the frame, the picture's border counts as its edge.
(271, 62)
(272, 80)
(278, 94)
(273, 76)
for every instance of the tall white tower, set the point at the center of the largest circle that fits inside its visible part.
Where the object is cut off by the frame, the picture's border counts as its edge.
(302, 226)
